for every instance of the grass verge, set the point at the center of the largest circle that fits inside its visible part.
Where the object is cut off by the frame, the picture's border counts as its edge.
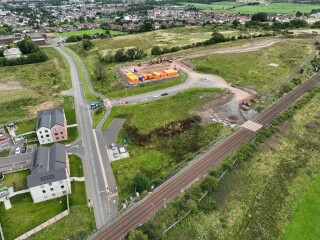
(76, 169)
(97, 115)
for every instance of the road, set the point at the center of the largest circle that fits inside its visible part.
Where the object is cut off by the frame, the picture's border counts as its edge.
(146, 208)
(100, 183)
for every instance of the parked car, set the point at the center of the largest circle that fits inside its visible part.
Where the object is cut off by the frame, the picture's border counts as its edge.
(155, 96)
(164, 94)
(115, 154)
(125, 102)
(24, 150)
(2, 138)
(113, 146)
(18, 151)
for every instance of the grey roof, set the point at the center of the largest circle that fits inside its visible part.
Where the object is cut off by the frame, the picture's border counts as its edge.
(50, 117)
(12, 51)
(48, 165)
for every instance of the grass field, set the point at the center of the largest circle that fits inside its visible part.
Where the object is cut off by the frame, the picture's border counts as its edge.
(266, 190)
(253, 69)
(237, 7)
(305, 220)
(158, 156)
(25, 215)
(28, 88)
(88, 32)
(97, 115)
(76, 169)
(18, 180)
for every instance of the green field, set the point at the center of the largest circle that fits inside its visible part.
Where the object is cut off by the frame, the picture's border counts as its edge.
(305, 220)
(156, 155)
(26, 215)
(237, 7)
(267, 189)
(252, 69)
(29, 88)
(88, 32)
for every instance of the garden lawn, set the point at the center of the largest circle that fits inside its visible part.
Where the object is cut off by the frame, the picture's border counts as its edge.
(76, 169)
(26, 215)
(88, 32)
(28, 87)
(17, 180)
(252, 69)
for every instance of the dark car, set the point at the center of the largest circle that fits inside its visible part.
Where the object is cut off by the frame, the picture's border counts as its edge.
(24, 150)
(164, 94)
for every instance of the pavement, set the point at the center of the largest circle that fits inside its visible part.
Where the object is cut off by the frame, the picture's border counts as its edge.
(100, 183)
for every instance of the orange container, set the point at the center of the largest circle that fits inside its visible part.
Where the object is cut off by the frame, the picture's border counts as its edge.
(145, 76)
(150, 76)
(163, 75)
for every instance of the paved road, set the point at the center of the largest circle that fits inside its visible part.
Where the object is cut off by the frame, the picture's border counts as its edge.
(100, 183)
(145, 209)
(17, 162)
(112, 132)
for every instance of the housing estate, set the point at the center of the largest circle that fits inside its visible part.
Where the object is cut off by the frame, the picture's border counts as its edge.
(50, 173)
(51, 126)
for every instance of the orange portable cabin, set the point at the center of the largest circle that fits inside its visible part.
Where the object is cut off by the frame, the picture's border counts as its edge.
(171, 72)
(150, 76)
(145, 76)
(133, 79)
(163, 75)
(156, 75)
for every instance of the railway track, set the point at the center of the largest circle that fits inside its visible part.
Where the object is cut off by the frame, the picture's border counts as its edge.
(146, 209)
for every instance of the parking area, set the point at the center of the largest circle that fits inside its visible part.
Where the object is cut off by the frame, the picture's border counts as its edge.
(5, 141)
(19, 150)
(117, 152)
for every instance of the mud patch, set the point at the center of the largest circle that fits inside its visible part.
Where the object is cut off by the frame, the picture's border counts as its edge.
(207, 109)
(10, 86)
(43, 106)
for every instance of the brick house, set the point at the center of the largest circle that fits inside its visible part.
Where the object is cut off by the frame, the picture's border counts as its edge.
(50, 173)
(51, 126)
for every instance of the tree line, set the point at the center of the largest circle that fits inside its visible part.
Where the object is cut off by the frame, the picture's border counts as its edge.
(123, 55)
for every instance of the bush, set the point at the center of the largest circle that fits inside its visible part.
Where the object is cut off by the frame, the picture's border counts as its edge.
(87, 44)
(141, 183)
(27, 46)
(29, 59)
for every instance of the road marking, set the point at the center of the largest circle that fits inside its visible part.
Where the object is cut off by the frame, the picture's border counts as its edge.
(250, 125)
(101, 162)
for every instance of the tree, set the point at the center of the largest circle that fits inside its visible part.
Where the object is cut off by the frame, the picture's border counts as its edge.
(100, 72)
(153, 230)
(260, 17)
(218, 37)
(81, 19)
(191, 205)
(209, 183)
(298, 14)
(87, 44)
(146, 26)
(107, 32)
(156, 50)
(235, 23)
(316, 24)
(137, 235)
(27, 46)
(141, 183)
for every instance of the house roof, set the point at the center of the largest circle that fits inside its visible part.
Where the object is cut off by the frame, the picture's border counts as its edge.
(48, 165)
(12, 51)
(50, 117)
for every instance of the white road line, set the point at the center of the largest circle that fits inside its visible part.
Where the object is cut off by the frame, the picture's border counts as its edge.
(101, 162)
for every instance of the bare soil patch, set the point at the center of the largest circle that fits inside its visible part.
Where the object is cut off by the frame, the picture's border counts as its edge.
(43, 106)
(10, 86)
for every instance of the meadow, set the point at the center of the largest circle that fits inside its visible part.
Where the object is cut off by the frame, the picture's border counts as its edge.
(237, 7)
(278, 184)
(88, 32)
(252, 69)
(28, 88)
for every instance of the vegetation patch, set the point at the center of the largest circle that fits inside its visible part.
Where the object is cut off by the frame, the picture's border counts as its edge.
(87, 32)
(97, 115)
(76, 169)
(17, 180)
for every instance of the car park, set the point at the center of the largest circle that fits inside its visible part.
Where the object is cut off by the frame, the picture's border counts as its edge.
(18, 151)
(164, 94)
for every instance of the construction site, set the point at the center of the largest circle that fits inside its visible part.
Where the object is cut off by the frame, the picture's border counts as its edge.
(153, 70)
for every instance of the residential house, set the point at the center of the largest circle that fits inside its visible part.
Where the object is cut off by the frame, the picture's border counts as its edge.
(51, 126)
(12, 53)
(50, 173)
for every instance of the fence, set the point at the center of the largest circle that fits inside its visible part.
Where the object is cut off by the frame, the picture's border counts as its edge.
(43, 225)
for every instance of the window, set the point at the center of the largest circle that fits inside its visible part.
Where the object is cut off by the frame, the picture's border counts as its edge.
(62, 186)
(61, 132)
(53, 194)
(62, 137)
(57, 138)
(41, 136)
(60, 128)
(46, 131)
(43, 141)
(47, 135)
(45, 196)
(49, 140)
(50, 184)
(41, 186)
(56, 134)
(40, 132)
(64, 192)
(61, 181)
(51, 189)
(43, 191)
(54, 129)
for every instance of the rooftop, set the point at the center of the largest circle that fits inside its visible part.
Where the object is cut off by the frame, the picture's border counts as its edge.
(50, 117)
